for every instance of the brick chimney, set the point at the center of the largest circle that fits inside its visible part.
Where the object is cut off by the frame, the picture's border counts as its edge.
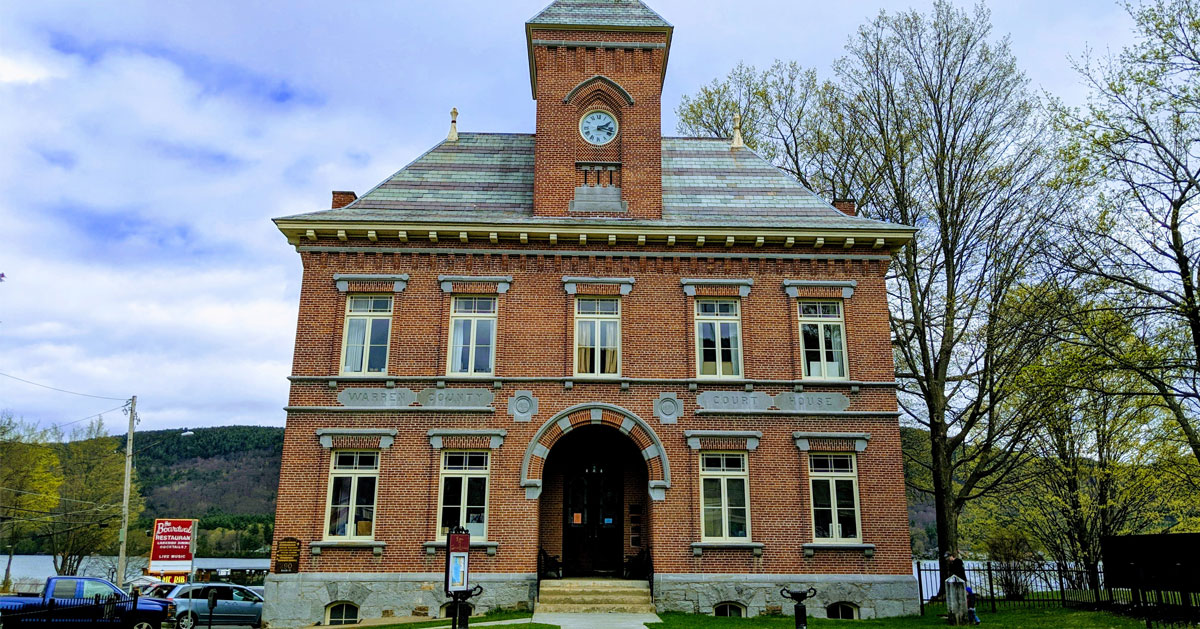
(847, 206)
(342, 198)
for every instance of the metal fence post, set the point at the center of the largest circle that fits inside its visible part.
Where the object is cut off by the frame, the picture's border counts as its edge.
(991, 586)
(920, 588)
(1062, 590)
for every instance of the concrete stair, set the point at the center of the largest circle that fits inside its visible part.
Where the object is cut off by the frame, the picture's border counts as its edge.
(595, 595)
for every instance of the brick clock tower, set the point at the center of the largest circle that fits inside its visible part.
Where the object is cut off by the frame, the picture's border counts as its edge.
(598, 88)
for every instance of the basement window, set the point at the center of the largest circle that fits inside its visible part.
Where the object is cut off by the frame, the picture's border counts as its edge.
(843, 611)
(341, 614)
(729, 609)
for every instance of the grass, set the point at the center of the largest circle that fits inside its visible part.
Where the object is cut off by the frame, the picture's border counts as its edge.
(1004, 619)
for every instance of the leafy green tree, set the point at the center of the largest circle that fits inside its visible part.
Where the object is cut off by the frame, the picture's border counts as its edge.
(29, 481)
(1093, 471)
(88, 517)
(1135, 245)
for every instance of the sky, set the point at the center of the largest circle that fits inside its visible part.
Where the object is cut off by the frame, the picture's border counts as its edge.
(145, 146)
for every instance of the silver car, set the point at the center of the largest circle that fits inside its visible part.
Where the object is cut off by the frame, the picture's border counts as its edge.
(236, 604)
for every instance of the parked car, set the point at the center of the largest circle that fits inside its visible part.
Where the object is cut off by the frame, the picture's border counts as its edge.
(236, 604)
(86, 601)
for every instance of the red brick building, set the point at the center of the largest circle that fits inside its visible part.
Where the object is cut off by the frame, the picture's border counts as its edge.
(646, 357)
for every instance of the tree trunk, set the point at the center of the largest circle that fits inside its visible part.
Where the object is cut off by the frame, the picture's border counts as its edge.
(945, 509)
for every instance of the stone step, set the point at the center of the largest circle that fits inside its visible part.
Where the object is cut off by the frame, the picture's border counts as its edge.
(607, 585)
(615, 591)
(585, 608)
(605, 598)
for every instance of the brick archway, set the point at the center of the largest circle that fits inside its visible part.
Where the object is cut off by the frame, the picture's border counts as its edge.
(592, 414)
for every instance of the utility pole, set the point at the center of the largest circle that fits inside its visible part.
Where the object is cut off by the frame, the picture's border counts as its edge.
(125, 501)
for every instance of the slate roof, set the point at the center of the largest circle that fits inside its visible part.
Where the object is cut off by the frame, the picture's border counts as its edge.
(624, 13)
(488, 177)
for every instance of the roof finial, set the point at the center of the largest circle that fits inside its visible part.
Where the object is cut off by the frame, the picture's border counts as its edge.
(737, 133)
(453, 137)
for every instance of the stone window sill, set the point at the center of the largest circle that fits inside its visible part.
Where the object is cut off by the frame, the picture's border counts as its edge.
(376, 546)
(868, 550)
(491, 547)
(698, 548)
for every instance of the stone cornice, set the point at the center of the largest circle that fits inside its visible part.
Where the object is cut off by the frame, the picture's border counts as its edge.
(743, 284)
(792, 287)
(342, 280)
(626, 283)
(525, 232)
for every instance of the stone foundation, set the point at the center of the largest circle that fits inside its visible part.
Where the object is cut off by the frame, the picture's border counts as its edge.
(299, 600)
(876, 596)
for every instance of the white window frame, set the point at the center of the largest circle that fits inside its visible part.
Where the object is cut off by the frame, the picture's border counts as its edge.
(444, 472)
(822, 322)
(474, 318)
(354, 474)
(596, 319)
(723, 476)
(717, 320)
(329, 613)
(830, 478)
(370, 317)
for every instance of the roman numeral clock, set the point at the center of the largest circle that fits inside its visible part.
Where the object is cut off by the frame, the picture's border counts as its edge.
(598, 127)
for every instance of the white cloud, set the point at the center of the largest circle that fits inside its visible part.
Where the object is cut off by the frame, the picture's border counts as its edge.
(147, 145)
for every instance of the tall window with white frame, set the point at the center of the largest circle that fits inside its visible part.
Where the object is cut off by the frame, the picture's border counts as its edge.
(464, 494)
(835, 498)
(823, 340)
(353, 478)
(724, 497)
(597, 336)
(473, 336)
(718, 338)
(365, 339)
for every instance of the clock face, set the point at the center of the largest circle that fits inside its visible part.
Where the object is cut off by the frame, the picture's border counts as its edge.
(598, 127)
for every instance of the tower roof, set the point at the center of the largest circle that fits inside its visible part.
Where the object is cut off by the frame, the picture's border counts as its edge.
(593, 13)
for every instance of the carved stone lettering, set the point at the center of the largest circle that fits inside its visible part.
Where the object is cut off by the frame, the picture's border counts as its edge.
(455, 398)
(734, 400)
(361, 396)
(812, 402)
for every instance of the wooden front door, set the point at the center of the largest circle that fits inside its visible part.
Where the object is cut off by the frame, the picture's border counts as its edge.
(593, 530)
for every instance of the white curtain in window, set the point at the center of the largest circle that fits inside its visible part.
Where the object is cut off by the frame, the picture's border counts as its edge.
(356, 337)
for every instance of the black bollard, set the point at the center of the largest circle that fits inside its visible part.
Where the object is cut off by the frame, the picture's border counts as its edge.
(799, 596)
(801, 616)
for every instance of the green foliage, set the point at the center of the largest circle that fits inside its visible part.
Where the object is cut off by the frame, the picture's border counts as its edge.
(1133, 244)
(88, 518)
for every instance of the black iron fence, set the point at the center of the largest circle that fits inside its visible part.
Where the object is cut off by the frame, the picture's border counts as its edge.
(111, 611)
(1027, 585)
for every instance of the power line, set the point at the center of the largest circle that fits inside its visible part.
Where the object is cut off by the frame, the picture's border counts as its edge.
(34, 493)
(46, 386)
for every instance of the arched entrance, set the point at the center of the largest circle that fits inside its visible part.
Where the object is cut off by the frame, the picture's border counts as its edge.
(595, 469)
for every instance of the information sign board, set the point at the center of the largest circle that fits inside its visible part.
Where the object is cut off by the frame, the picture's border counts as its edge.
(458, 546)
(172, 546)
(287, 556)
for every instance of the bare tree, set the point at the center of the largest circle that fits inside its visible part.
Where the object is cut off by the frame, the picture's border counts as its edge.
(929, 123)
(960, 149)
(1135, 245)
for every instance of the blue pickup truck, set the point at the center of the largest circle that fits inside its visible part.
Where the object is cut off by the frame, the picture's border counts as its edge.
(84, 601)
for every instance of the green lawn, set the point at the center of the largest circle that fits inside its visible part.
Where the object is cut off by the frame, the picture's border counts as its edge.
(1013, 619)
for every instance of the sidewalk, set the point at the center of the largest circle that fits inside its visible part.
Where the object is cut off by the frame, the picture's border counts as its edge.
(597, 621)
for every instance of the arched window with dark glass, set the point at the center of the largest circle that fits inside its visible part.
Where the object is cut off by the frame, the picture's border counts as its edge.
(842, 610)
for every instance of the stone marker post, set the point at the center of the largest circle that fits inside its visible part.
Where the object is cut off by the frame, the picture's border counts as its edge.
(956, 600)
